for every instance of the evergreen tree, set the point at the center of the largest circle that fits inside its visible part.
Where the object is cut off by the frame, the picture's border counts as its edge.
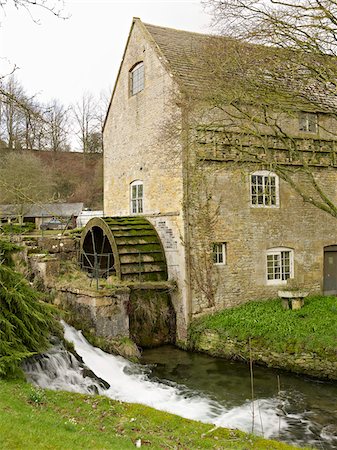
(25, 321)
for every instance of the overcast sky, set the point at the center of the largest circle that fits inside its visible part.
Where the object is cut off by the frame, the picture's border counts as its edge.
(63, 58)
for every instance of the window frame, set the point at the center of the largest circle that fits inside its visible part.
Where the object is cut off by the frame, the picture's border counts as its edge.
(136, 79)
(137, 200)
(305, 122)
(219, 249)
(278, 251)
(265, 174)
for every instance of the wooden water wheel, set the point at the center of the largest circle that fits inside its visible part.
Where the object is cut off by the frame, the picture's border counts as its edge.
(126, 247)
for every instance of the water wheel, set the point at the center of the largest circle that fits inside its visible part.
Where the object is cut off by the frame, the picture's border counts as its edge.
(127, 247)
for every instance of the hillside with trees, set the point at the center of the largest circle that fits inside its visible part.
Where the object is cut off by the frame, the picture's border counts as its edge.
(45, 176)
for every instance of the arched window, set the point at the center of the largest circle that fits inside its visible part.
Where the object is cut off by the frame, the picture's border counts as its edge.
(264, 189)
(280, 265)
(136, 197)
(136, 78)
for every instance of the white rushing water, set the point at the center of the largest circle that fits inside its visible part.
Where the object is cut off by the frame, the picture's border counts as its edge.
(113, 376)
(119, 379)
(129, 383)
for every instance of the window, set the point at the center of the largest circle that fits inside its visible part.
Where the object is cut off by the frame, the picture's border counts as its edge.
(280, 265)
(264, 189)
(308, 122)
(137, 78)
(136, 194)
(219, 253)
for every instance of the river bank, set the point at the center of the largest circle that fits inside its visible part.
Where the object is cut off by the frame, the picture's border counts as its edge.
(32, 418)
(302, 341)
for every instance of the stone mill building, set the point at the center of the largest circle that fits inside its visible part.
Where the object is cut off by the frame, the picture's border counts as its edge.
(233, 226)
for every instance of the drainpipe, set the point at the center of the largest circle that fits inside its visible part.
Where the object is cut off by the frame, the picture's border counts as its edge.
(186, 159)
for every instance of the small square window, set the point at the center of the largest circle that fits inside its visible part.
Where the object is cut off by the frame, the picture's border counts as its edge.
(137, 79)
(219, 253)
(308, 122)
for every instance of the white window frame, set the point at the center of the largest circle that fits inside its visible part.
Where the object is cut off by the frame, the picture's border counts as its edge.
(308, 122)
(264, 189)
(137, 197)
(277, 271)
(219, 253)
(137, 78)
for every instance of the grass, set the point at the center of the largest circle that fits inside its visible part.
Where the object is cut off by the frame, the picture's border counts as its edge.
(312, 329)
(63, 420)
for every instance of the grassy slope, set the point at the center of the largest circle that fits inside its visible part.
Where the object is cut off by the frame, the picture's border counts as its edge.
(72, 421)
(313, 328)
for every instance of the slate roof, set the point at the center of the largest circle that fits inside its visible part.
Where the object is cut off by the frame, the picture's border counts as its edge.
(185, 53)
(191, 60)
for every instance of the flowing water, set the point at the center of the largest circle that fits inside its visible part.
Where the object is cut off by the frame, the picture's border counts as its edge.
(285, 407)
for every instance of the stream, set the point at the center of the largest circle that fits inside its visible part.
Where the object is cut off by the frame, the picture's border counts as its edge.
(286, 407)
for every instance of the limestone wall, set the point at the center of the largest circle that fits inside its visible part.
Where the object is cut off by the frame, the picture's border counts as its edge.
(106, 313)
(250, 231)
(141, 142)
(138, 144)
(213, 344)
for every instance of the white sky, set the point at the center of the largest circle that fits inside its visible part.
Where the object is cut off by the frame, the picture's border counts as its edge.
(64, 58)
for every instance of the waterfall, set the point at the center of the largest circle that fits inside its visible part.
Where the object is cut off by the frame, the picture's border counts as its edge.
(119, 379)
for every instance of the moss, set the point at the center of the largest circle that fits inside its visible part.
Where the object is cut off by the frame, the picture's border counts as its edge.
(152, 317)
(141, 248)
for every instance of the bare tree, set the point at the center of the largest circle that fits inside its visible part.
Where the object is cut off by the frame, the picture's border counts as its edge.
(260, 92)
(12, 98)
(56, 7)
(88, 120)
(57, 126)
(85, 120)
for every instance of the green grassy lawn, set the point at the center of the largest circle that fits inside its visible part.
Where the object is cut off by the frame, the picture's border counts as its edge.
(312, 328)
(35, 419)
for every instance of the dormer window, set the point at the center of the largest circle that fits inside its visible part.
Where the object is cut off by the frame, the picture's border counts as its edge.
(137, 78)
(308, 122)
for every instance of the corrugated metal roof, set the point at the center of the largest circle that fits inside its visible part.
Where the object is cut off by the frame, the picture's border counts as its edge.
(43, 210)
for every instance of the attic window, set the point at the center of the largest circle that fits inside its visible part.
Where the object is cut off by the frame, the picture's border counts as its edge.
(137, 78)
(308, 122)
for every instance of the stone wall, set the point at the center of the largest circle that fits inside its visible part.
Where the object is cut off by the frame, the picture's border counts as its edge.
(249, 232)
(152, 317)
(104, 313)
(310, 364)
(141, 142)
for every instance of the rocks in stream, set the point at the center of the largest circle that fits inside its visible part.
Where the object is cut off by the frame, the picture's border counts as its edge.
(60, 369)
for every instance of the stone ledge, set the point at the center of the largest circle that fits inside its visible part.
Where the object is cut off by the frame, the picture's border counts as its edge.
(107, 292)
(211, 343)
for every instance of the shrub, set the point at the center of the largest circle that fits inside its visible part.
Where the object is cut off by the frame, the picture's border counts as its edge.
(15, 228)
(25, 321)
